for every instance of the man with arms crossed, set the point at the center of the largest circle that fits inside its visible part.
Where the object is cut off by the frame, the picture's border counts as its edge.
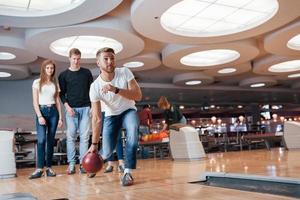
(118, 90)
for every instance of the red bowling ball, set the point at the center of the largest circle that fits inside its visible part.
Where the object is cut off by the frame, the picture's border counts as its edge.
(92, 162)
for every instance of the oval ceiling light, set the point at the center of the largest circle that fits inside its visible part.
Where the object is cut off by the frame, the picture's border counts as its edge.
(258, 81)
(14, 72)
(195, 82)
(294, 75)
(35, 8)
(202, 18)
(7, 56)
(111, 28)
(230, 70)
(256, 85)
(54, 13)
(284, 41)
(294, 43)
(133, 64)
(227, 70)
(288, 66)
(192, 79)
(88, 45)
(210, 57)
(141, 62)
(276, 13)
(4, 74)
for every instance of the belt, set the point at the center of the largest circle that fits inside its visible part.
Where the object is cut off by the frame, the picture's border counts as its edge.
(47, 106)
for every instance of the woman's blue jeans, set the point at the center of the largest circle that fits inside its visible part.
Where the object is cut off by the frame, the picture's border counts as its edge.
(111, 132)
(46, 135)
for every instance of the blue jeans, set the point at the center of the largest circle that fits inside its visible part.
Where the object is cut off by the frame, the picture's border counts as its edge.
(118, 148)
(46, 135)
(81, 122)
(111, 131)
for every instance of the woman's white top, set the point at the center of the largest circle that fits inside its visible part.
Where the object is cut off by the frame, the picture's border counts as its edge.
(46, 95)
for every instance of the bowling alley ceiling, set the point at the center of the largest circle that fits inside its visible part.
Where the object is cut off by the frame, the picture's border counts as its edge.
(194, 51)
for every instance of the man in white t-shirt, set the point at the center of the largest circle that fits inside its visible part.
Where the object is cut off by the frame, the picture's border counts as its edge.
(118, 90)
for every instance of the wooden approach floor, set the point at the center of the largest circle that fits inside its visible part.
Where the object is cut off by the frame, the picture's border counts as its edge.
(162, 179)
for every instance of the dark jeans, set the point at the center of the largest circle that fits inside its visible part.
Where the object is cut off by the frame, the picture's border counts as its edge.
(111, 132)
(46, 135)
(119, 149)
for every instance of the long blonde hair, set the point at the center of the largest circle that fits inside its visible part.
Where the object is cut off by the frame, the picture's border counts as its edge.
(163, 103)
(43, 76)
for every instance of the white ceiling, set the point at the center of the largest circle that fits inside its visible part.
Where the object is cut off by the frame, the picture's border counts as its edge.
(136, 25)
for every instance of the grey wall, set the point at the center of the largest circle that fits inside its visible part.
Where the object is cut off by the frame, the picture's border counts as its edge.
(16, 97)
(16, 110)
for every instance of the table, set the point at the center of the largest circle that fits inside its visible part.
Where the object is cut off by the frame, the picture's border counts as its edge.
(157, 145)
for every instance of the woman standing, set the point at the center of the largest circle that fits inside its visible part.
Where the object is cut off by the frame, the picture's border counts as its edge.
(48, 117)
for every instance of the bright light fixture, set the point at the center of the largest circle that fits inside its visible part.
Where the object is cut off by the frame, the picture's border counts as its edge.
(134, 64)
(288, 66)
(294, 75)
(294, 43)
(208, 18)
(256, 85)
(6, 56)
(196, 82)
(4, 74)
(226, 70)
(88, 45)
(210, 57)
(35, 7)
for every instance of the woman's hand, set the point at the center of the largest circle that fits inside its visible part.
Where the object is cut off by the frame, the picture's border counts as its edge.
(60, 123)
(42, 120)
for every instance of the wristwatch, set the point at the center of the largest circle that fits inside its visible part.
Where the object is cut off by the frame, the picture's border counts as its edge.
(117, 90)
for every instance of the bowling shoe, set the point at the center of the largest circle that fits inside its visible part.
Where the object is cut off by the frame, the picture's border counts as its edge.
(36, 174)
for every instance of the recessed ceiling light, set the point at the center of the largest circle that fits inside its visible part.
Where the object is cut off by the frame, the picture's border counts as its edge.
(35, 7)
(226, 70)
(4, 74)
(193, 82)
(294, 75)
(210, 57)
(288, 66)
(208, 18)
(88, 45)
(181, 107)
(6, 56)
(294, 43)
(134, 64)
(255, 85)
(240, 106)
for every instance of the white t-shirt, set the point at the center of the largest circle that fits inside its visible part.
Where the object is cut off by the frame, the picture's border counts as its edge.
(113, 104)
(46, 95)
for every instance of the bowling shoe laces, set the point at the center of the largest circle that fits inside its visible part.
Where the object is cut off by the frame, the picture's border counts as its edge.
(36, 174)
(127, 179)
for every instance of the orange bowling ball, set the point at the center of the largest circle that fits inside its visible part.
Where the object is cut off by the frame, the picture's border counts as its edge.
(92, 162)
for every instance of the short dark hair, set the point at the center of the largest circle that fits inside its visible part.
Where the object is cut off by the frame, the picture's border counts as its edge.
(74, 51)
(146, 106)
(104, 49)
